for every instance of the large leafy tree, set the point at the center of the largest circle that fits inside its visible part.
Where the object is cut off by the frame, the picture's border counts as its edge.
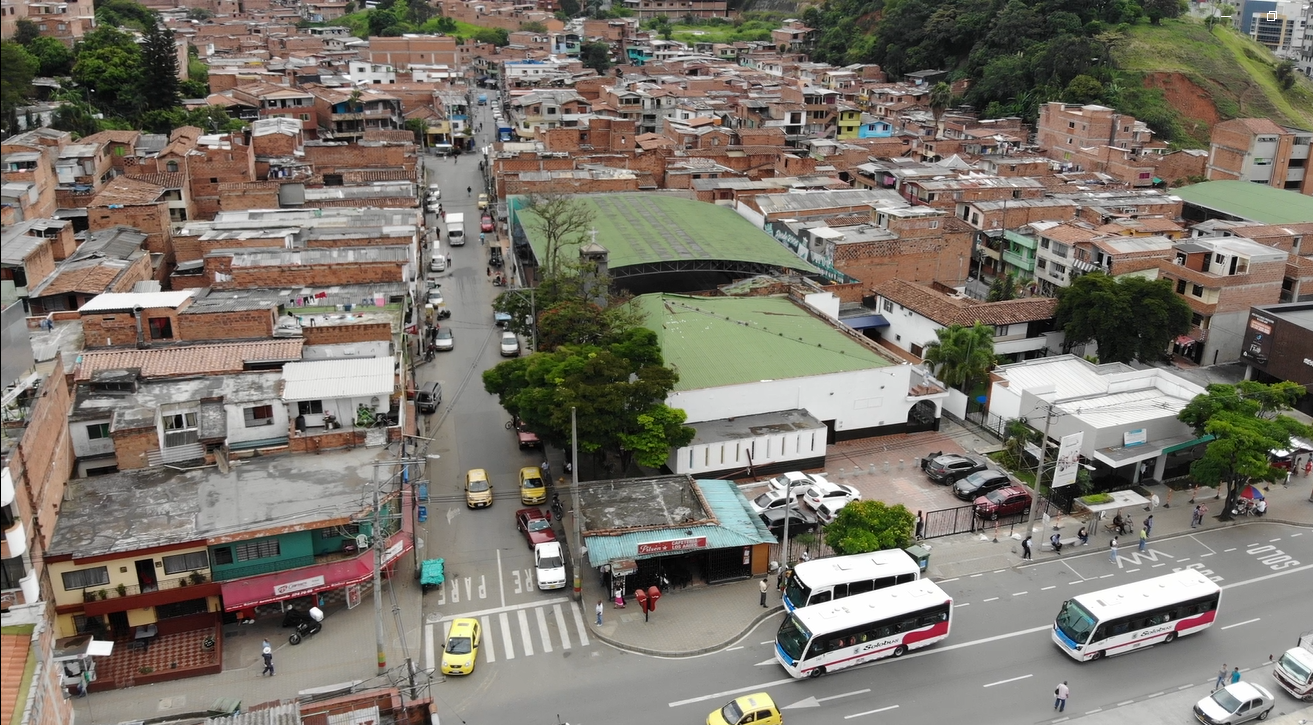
(962, 355)
(53, 57)
(872, 525)
(618, 390)
(159, 61)
(595, 55)
(574, 306)
(1131, 318)
(1247, 423)
(19, 67)
(108, 67)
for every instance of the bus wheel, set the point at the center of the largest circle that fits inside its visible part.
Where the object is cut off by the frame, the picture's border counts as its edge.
(816, 672)
(900, 650)
(1170, 636)
(1096, 656)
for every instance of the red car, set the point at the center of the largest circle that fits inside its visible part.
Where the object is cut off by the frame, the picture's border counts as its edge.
(1003, 502)
(526, 437)
(535, 526)
(485, 224)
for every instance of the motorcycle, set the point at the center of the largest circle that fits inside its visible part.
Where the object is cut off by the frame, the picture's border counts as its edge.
(557, 508)
(306, 623)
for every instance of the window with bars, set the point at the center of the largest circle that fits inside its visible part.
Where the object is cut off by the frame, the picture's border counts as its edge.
(179, 429)
(260, 549)
(186, 562)
(83, 578)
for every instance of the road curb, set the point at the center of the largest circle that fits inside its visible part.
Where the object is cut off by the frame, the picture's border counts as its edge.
(693, 652)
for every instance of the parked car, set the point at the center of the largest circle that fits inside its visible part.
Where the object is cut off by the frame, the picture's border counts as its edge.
(828, 493)
(485, 224)
(770, 500)
(796, 481)
(462, 647)
(827, 512)
(428, 398)
(478, 490)
(435, 193)
(435, 298)
(1236, 703)
(1003, 502)
(549, 565)
(483, 201)
(980, 483)
(951, 468)
(757, 709)
(533, 489)
(800, 521)
(526, 437)
(510, 345)
(534, 525)
(444, 341)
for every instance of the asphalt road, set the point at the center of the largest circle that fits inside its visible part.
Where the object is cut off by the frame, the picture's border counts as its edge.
(998, 665)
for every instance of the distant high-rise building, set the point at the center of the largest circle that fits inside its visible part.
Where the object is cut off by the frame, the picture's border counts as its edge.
(1258, 150)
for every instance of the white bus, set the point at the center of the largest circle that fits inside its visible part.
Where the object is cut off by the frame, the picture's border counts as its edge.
(835, 577)
(1129, 617)
(863, 627)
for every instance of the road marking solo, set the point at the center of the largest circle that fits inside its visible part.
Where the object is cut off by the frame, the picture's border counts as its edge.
(1004, 682)
(1240, 624)
(869, 712)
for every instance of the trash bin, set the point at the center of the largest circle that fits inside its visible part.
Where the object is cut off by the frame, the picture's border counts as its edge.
(921, 553)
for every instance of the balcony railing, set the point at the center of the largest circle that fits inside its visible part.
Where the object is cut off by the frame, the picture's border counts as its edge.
(92, 594)
(267, 567)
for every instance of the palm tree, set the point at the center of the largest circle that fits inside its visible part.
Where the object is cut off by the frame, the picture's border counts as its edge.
(962, 355)
(941, 96)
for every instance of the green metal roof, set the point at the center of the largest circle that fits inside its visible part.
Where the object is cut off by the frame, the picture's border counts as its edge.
(639, 228)
(716, 341)
(738, 527)
(1255, 202)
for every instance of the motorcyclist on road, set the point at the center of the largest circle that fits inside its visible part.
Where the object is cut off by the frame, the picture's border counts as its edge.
(469, 190)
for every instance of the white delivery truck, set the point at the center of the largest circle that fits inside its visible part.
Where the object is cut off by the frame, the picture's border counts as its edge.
(456, 229)
(1294, 671)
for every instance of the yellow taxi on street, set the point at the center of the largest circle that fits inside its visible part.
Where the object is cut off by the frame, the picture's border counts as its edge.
(757, 709)
(533, 489)
(478, 491)
(461, 648)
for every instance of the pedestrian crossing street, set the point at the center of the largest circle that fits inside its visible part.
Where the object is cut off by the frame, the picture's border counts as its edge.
(508, 632)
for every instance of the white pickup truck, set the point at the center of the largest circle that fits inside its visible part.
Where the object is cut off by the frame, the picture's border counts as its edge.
(1294, 670)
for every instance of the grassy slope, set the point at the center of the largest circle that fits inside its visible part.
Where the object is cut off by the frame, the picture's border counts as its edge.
(1234, 70)
(752, 30)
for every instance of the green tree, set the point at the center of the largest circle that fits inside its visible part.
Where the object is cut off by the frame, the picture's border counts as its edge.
(493, 36)
(533, 26)
(1083, 89)
(961, 356)
(570, 8)
(561, 220)
(1247, 422)
(76, 117)
(1156, 10)
(595, 55)
(108, 66)
(125, 13)
(573, 306)
(25, 32)
(159, 66)
(417, 126)
(941, 96)
(1004, 287)
(16, 81)
(53, 57)
(1284, 73)
(650, 441)
(871, 525)
(1130, 318)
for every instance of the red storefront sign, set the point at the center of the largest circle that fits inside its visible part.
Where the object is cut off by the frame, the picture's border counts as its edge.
(662, 547)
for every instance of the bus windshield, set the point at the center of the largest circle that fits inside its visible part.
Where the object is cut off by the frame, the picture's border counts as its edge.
(1075, 622)
(795, 591)
(793, 638)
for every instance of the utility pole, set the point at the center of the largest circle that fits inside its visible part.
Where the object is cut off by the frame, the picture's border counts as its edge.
(378, 579)
(574, 490)
(1039, 471)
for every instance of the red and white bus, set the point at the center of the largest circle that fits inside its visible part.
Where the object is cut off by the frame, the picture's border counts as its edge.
(835, 577)
(863, 627)
(1133, 616)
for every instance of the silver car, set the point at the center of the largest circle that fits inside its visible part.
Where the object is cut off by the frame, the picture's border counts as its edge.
(1236, 703)
(510, 345)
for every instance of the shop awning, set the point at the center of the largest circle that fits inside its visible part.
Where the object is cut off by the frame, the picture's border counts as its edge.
(865, 322)
(1188, 444)
(1184, 340)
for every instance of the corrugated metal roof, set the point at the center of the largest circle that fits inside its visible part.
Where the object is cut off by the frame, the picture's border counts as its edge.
(288, 713)
(120, 301)
(323, 379)
(1123, 409)
(738, 527)
(1070, 376)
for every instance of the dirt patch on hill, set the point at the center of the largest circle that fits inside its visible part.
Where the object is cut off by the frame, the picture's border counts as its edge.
(1198, 113)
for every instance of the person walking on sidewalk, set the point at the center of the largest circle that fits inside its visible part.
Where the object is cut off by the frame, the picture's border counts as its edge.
(1221, 678)
(599, 612)
(268, 653)
(1148, 525)
(920, 525)
(1112, 550)
(1060, 696)
(1235, 675)
(764, 587)
(1025, 548)
(1144, 539)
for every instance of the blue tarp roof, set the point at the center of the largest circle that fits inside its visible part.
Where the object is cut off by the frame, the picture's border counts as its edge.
(738, 527)
(865, 322)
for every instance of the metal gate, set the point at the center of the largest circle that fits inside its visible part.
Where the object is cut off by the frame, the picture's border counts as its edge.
(946, 522)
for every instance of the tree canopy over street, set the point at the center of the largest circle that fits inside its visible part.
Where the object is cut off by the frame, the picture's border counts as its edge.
(864, 526)
(1131, 318)
(1247, 424)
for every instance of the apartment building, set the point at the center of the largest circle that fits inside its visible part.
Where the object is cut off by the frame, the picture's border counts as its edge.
(65, 21)
(1260, 151)
(410, 49)
(1065, 128)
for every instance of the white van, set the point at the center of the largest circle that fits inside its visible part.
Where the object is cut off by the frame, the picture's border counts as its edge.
(438, 263)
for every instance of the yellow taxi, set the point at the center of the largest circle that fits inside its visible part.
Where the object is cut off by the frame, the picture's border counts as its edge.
(757, 709)
(478, 492)
(461, 648)
(533, 489)
(483, 201)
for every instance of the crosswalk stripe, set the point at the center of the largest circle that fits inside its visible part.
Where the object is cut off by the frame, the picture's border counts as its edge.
(560, 626)
(489, 655)
(579, 624)
(542, 629)
(507, 643)
(525, 637)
